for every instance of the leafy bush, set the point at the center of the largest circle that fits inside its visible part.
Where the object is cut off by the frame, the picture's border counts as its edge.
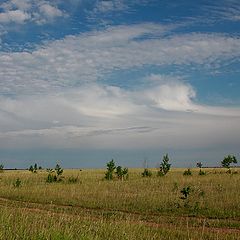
(146, 173)
(31, 168)
(34, 168)
(185, 192)
(199, 165)
(187, 172)
(122, 173)
(110, 170)
(17, 183)
(227, 161)
(73, 179)
(59, 170)
(1, 167)
(201, 172)
(51, 178)
(164, 166)
(54, 175)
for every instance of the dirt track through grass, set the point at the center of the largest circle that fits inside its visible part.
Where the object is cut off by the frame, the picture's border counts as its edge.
(98, 214)
(139, 208)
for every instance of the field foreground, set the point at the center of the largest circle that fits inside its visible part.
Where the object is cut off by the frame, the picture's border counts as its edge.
(138, 208)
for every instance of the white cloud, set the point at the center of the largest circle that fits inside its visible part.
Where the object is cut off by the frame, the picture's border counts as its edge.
(59, 100)
(172, 96)
(109, 6)
(40, 11)
(113, 117)
(47, 13)
(223, 10)
(18, 4)
(50, 11)
(88, 57)
(16, 16)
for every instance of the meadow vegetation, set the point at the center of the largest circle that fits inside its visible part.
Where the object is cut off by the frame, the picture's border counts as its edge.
(85, 205)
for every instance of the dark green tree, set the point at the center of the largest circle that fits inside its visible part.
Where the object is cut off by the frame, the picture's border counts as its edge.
(146, 173)
(55, 175)
(122, 173)
(31, 168)
(110, 170)
(59, 170)
(35, 168)
(227, 161)
(187, 172)
(201, 172)
(185, 192)
(164, 166)
(199, 165)
(1, 167)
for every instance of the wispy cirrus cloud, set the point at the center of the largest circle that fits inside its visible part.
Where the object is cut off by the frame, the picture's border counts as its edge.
(223, 10)
(100, 116)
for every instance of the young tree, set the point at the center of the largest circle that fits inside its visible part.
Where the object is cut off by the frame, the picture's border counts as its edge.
(164, 166)
(110, 170)
(58, 170)
(227, 161)
(1, 167)
(35, 168)
(31, 168)
(55, 175)
(199, 165)
(201, 172)
(146, 173)
(122, 173)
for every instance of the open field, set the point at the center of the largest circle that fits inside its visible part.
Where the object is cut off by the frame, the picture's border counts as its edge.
(138, 208)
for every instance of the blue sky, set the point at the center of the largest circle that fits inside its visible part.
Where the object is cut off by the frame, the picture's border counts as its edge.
(82, 82)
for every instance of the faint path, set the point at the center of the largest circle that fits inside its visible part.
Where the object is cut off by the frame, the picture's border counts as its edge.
(97, 214)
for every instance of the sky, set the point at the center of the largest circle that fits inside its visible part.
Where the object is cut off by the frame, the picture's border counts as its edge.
(85, 81)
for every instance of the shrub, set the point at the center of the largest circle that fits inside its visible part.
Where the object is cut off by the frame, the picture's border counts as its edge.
(110, 170)
(164, 166)
(185, 192)
(146, 173)
(201, 172)
(54, 175)
(35, 168)
(17, 183)
(187, 172)
(59, 171)
(31, 168)
(199, 165)
(122, 173)
(51, 178)
(1, 167)
(73, 179)
(227, 161)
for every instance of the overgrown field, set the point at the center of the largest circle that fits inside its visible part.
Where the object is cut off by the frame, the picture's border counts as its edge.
(137, 208)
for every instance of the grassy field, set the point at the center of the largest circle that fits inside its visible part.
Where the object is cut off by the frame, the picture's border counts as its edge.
(138, 208)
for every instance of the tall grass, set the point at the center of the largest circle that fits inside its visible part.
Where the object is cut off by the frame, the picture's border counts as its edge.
(119, 208)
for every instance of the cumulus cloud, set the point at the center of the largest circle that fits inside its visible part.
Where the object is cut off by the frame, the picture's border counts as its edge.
(20, 12)
(16, 16)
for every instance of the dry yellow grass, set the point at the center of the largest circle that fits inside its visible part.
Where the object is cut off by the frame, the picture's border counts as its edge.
(143, 208)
